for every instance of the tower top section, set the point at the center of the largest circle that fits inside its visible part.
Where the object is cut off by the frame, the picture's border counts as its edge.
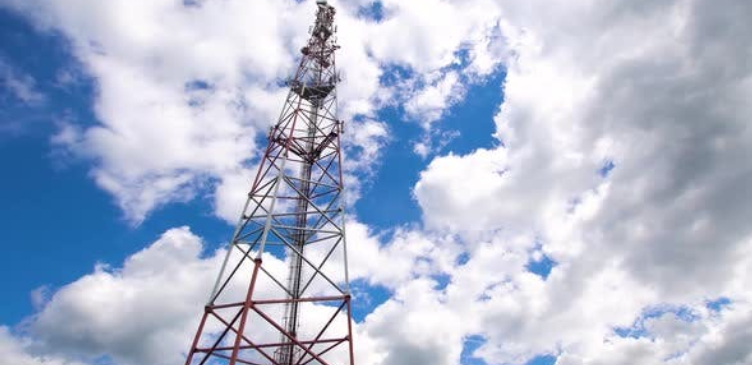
(324, 26)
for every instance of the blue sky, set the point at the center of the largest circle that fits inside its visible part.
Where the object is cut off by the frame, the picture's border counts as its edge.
(61, 224)
(610, 226)
(54, 201)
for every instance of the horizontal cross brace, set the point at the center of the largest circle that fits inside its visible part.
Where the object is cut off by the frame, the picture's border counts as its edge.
(331, 298)
(278, 344)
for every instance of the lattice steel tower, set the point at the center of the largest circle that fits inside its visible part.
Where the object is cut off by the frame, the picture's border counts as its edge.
(263, 310)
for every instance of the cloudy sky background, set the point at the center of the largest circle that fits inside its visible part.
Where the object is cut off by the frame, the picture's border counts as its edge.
(530, 182)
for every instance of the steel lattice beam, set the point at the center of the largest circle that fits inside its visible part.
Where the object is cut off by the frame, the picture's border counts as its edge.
(255, 313)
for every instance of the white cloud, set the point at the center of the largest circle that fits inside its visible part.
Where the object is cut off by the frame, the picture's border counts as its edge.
(16, 351)
(630, 83)
(141, 313)
(146, 310)
(426, 34)
(429, 103)
(21, 86)
(416, 328)
(659, 89)
(161, 140)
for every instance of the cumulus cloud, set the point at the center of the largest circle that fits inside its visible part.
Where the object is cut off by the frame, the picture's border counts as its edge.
(142, 312)
(444, 290)
(16, 351)
(622, 159)
(146, 310)
(622, 136)
(184, 90)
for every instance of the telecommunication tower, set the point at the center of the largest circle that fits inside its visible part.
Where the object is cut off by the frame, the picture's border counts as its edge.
(297, 313)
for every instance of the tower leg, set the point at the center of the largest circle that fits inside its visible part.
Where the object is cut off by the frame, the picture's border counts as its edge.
(349, 329)
(194, 346)
(244, 315)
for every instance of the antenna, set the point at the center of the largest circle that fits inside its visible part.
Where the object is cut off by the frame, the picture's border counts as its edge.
(257, 313)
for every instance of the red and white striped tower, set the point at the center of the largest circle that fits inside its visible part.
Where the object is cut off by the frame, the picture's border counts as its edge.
(297, 313)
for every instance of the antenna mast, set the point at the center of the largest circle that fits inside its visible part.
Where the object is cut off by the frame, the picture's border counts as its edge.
(294, 211)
